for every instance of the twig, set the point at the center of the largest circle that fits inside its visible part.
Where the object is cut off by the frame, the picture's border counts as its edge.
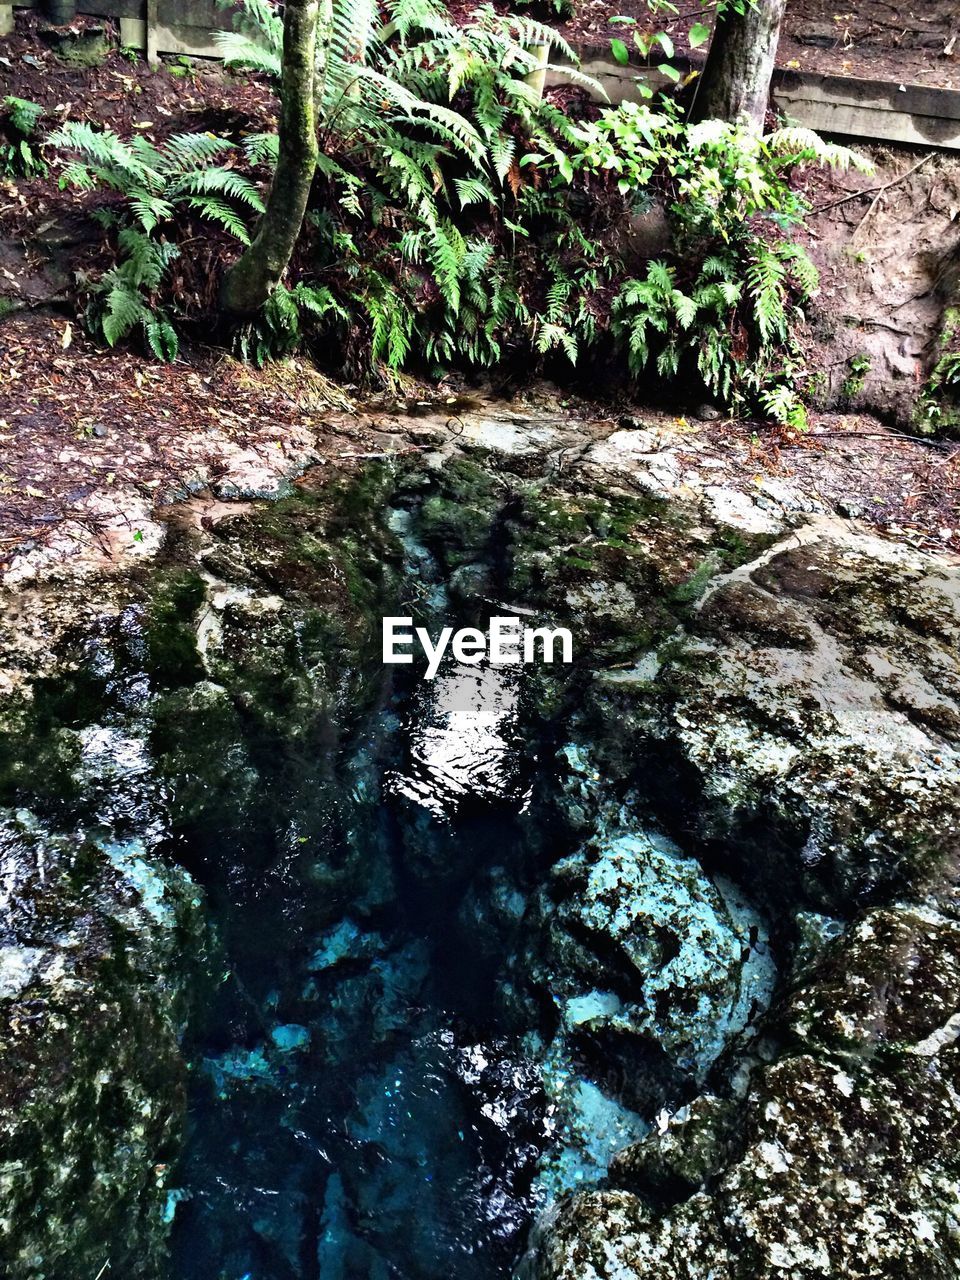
(890, 437)
(867, 191)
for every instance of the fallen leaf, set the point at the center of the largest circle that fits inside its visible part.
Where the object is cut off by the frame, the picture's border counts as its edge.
(67, 335)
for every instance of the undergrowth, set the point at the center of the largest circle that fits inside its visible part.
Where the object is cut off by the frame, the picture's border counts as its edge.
(462, 217)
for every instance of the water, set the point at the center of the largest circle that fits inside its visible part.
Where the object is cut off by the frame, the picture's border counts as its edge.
(360, 1104)
(396, 1054)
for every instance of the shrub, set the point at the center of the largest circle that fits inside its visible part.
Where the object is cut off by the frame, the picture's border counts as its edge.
(19, 154)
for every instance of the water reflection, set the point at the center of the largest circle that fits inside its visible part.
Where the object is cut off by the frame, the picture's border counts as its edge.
(463, 733)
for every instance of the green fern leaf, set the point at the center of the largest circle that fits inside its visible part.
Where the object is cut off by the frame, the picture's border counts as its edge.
(123, 308)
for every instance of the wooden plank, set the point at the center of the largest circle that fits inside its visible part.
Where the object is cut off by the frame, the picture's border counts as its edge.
(870, 110)
(200, 16)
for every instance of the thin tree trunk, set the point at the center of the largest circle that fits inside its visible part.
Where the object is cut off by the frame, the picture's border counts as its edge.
(255, 275)
(736, 79)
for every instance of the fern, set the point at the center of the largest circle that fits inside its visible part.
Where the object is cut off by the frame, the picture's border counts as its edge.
(783, 405)
(161, 336)
(23, 115)
(19, 156)
(765, 276)
(123, 308)
(156, 182)
(804, 272)
(803, 146)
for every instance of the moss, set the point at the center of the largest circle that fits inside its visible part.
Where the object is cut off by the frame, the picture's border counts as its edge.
(90, 1077)
(170, 628)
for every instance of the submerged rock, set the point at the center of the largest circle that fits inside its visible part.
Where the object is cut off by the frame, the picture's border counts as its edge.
(651, 970)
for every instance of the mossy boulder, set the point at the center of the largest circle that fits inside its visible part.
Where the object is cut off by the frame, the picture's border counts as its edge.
(812, 704)
(631, 941)
(836, 1158)
(92, 963)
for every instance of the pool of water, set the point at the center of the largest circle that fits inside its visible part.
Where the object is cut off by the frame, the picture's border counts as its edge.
(446, 972)
(362, 1101)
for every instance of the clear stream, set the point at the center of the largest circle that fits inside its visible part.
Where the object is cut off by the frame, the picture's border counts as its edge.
(360, 1106)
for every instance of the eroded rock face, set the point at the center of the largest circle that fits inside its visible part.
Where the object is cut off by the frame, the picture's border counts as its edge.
(652, 970)
(811, 705)
(90, 1073)
(815, 701)
(839, 1160)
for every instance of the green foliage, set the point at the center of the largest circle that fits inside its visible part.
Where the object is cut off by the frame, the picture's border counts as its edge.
(460, 216)
(738, 313)
(122, 298)
(19, 154)
(256, 42)
(278, 330)
(425, 127)
(858, 367)
(155, 181)
(939, 406)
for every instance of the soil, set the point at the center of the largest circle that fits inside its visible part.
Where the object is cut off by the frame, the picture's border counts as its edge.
(876, 39)
(95, 442)
(124, 92)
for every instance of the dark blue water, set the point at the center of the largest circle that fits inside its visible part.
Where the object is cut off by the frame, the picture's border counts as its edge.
(361, 1100)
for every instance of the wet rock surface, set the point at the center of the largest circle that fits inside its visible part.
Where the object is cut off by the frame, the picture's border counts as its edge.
(815, 694)
(674, 925)
(92, 998)
(838, 1158)
(805, 711)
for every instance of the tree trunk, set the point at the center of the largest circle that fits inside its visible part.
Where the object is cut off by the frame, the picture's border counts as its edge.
(736, 79)
(255, 275)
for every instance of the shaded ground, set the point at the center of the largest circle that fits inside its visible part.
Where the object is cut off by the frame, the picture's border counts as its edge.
(94, 443)
(124, 92)
(878, 39)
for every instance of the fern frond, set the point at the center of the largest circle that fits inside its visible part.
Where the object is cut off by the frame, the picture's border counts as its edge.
(239, 50)
(261, 148)
(221, 182)
(216, 210)
(185, 151)
(123, 308)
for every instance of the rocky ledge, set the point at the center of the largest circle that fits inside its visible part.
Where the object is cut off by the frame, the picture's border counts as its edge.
(806, 711)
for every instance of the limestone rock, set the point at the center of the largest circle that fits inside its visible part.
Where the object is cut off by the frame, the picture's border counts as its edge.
(90, 1074)
(638, 941)
(815, 700)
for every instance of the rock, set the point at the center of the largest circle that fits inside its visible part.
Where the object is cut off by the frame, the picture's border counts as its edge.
(290, 1037)
(706, 413)
(77, 47)
(90, 1075)
(816, 693)
(840, 1158)
(633, 942)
